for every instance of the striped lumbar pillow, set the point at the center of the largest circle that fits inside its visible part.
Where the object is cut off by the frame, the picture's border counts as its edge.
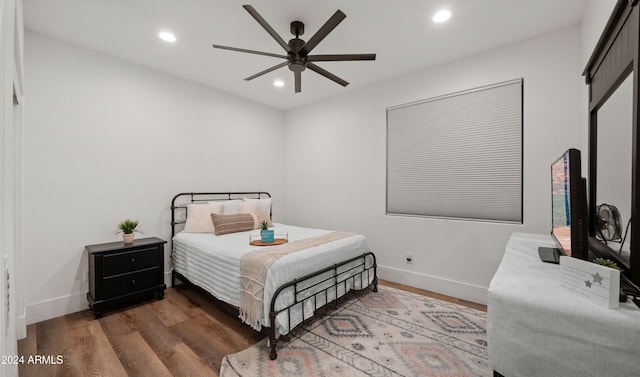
(225, 224)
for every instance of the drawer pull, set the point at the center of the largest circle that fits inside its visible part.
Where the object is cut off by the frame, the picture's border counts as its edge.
(133, 282)
(133, 260)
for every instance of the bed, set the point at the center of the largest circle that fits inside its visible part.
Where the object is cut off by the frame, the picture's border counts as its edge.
(311, 270)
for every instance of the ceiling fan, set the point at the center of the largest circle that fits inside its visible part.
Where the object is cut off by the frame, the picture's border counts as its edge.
(297, 57)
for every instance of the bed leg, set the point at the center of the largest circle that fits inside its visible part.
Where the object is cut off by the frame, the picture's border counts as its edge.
(173, 279)
(272, 342)
(273, 355)
(375, 272)
(272, 337)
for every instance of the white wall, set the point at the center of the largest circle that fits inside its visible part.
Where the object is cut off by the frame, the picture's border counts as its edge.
(107, 140)
(594, 19)
(335, 163)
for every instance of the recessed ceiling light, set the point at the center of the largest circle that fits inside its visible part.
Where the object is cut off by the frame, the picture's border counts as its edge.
(278, 83)
(167, 36)
(441, 16)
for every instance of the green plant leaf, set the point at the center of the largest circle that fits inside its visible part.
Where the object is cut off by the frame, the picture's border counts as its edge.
(127, 226)
(606, 262)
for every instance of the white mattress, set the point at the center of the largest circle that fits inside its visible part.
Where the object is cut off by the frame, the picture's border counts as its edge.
(213, 263)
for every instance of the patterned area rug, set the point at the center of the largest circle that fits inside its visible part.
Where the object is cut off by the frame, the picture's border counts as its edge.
(388, 333)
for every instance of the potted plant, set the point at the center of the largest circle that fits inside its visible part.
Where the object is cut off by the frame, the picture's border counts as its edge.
(127, 228)
(606, 262)
(266, 234)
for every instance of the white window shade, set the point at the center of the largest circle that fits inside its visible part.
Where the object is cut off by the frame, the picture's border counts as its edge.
(458, 156)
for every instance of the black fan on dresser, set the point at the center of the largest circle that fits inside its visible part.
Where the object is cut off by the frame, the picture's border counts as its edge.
(297, 57)
(609, 227)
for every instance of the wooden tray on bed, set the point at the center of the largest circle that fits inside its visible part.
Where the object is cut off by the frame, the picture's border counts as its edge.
(276, 241)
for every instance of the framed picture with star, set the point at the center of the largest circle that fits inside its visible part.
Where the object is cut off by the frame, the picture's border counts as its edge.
(590, 281)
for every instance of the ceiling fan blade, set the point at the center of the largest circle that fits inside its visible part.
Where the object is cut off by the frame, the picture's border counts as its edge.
(250, 51)
(298, 80)
(340, 57)
(326, 74)
(267, 27)
(337, 17)
(266, 71)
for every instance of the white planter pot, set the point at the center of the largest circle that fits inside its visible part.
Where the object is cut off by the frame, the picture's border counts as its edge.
(127, 238)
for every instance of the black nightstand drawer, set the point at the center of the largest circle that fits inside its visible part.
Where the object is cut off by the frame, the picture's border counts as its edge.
(120, 263)
(127, 283)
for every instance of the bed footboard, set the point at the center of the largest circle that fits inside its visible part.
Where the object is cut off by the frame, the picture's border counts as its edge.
(320, 289)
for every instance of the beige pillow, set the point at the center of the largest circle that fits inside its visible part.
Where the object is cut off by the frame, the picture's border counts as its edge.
(199, 217)
(225, 224)
(260, 217)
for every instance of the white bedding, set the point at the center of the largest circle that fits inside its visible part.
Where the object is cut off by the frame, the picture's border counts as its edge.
(213, 263)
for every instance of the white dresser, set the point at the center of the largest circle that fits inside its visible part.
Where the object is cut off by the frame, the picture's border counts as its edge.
(535, 328)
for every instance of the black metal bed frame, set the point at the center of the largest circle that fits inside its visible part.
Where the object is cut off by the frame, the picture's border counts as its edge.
(304, 288)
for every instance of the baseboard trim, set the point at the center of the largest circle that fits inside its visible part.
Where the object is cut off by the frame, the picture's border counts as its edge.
(58, 306)
(465, 291)
(75, 302)
(21, 327)
(55, 307)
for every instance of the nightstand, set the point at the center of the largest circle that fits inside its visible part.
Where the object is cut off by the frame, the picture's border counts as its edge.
(120, 272)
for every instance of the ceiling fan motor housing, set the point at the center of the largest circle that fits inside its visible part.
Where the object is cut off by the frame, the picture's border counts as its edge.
(297, 63)
(296, 44)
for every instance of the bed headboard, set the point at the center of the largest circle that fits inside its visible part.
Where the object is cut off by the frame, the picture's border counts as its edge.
(179, 203)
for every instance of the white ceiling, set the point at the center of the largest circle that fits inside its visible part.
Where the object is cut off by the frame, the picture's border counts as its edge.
(401, 33)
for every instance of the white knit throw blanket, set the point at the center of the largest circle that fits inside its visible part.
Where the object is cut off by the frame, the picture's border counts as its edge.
(253, 273)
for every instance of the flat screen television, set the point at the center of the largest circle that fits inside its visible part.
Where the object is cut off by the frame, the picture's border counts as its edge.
(568, 209)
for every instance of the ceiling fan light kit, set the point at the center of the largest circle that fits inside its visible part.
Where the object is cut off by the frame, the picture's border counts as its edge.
(298, 58)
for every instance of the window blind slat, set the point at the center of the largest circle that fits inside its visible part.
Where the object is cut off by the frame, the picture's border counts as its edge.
(458, 156)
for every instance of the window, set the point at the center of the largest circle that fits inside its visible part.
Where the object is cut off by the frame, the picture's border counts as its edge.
(458, 155)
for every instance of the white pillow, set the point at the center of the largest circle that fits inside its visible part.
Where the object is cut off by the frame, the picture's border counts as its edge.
(263, 205)
(248, 207)
(199, 217)
(231, 207)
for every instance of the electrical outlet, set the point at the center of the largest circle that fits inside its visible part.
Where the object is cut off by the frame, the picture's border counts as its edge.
(408, 258)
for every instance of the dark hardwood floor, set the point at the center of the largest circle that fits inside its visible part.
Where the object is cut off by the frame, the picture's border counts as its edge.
(185, 334)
